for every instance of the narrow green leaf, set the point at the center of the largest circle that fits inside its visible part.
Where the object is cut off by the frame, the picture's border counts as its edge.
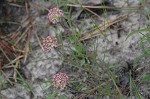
(137, 31)
(52, 96)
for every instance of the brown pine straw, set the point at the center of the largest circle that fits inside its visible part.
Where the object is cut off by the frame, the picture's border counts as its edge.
(102, 28)
(10, 44)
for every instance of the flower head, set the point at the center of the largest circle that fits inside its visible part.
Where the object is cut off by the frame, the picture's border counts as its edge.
(54, 15)
(48, 43)
(60, 80)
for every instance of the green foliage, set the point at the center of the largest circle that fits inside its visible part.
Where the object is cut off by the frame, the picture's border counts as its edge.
(1, 82)
(145, 78)
(52, 96)
(135, 88)
(23, 82)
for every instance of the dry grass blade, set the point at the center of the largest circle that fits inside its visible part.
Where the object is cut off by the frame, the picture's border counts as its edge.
(102, 7)
(102, 27)
(94, 13)
(38, 40)
(5, 47)
(92, 90)
(37, 6)
(14, 35)
(27, 48)
(12, 62)
(15, 74)
(16, 5)
(6, 77)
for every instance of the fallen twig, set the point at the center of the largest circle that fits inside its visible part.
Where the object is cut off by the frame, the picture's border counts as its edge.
(108, 7)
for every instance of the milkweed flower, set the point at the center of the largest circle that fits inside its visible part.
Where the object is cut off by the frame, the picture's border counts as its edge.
(54, 15)
(49, 42)
(60, 80)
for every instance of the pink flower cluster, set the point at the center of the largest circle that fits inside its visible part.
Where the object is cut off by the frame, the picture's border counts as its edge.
(60, 80)
(48, 43)
(54, 15)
